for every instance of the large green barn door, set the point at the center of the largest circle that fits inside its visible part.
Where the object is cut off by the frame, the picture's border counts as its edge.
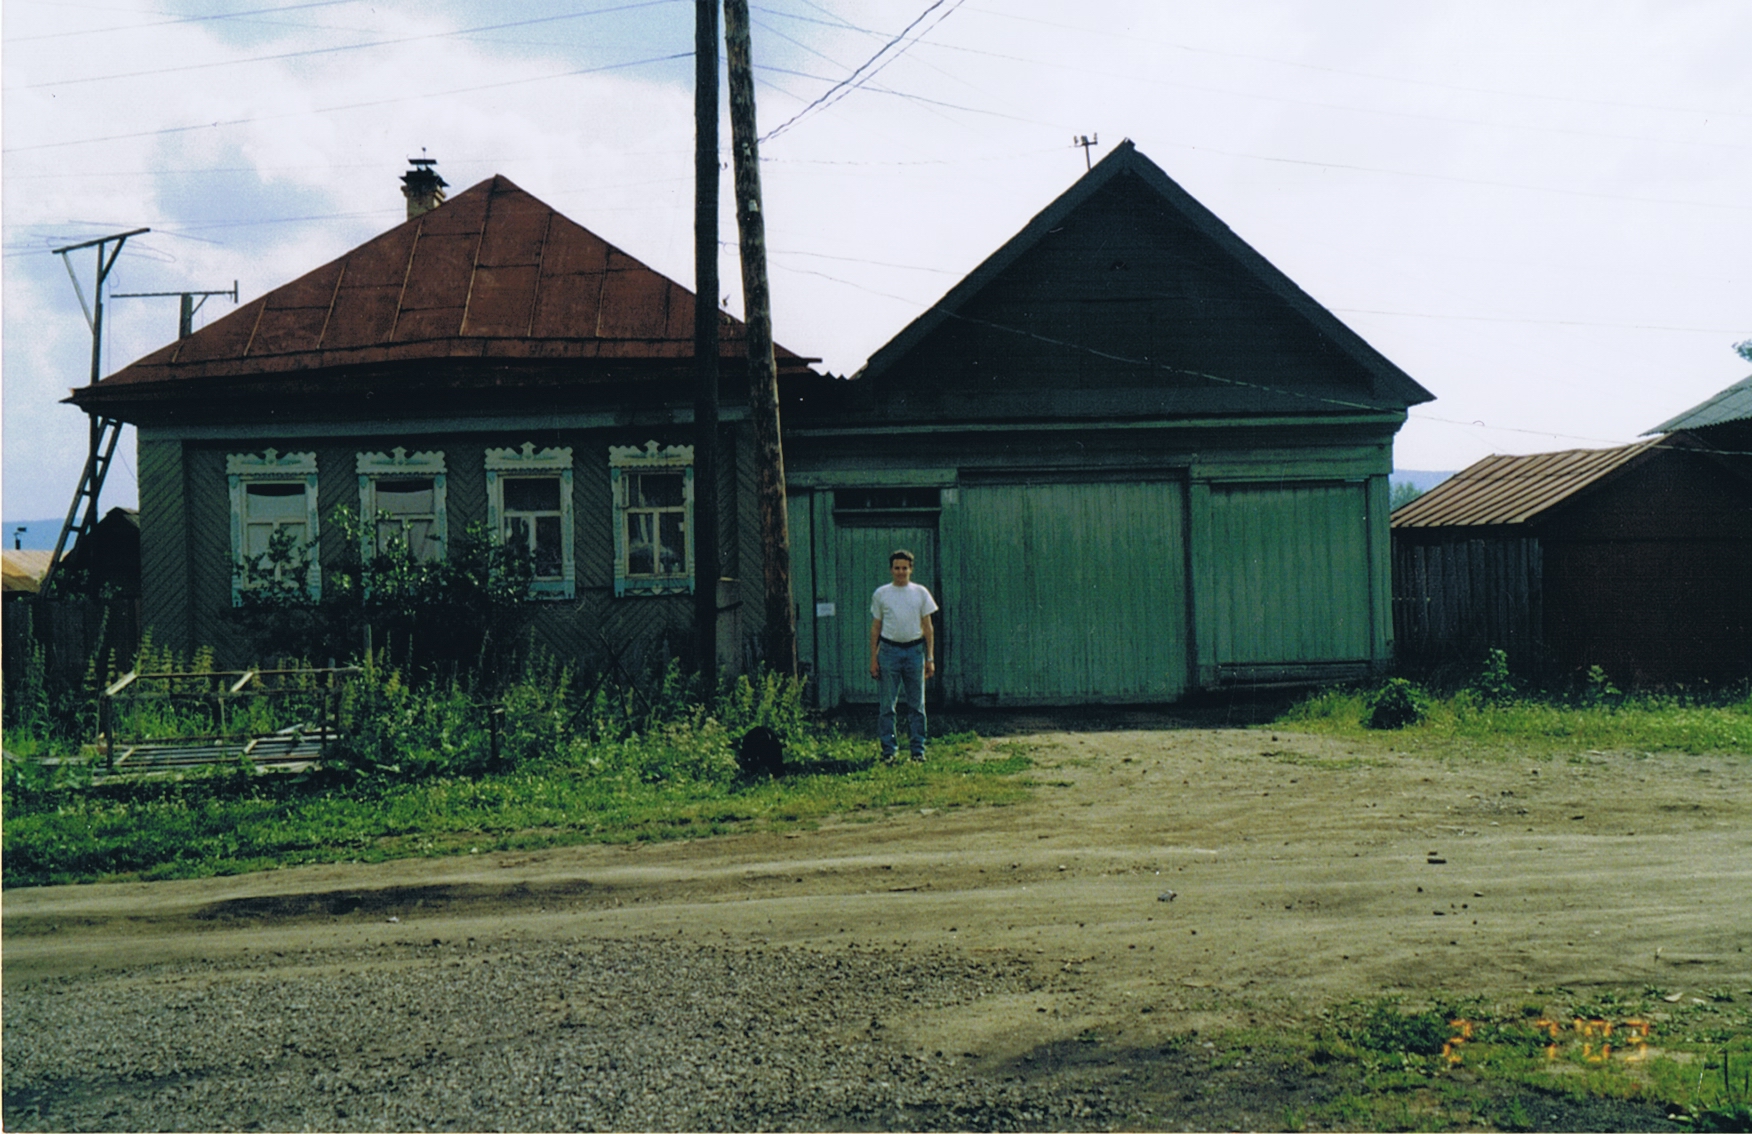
(1290, 574)
(860, 549)
(1069, 592)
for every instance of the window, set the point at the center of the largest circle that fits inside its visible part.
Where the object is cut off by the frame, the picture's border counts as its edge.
(529, 505)
(653, 518)
(272, 494)
(401, 501)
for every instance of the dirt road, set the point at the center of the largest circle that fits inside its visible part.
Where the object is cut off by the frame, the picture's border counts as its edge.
(1160, 882)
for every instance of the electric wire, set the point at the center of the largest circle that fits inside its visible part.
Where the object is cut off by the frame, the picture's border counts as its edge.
(847, 83)
(244, 15)
(1714, 113)
(307, 52)
(353, 105)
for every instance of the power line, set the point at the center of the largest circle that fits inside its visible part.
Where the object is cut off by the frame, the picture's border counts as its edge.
(353, 105)
(346, 47)
(181, 20)
(1371, 75)
(846, 84)
(1540, 322)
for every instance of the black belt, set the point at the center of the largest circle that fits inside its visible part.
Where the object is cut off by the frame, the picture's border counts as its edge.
(892, 642)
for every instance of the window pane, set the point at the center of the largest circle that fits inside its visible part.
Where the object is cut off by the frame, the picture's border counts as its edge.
(547, 546)
(389, 537)
(402, 497)
(255, 540)
(422, 538)
(533, 494)
(641, 556)
(517, 533)
(271, 501)
(674, 553)
(656, 490)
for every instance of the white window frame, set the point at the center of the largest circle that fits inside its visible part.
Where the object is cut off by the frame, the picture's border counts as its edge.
(532, 463)
(395, 464)
(243, 469)
(623, 459)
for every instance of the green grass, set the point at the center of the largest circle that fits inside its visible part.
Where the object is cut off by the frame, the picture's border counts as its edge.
(1642, 724)
(234, 822)
(1382, 1065)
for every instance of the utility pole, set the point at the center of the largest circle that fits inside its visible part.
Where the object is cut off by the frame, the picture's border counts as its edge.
(707, 568)
(185, 324)
(105, 432)
(763, 377)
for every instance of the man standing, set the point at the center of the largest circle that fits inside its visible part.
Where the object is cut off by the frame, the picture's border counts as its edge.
(903, 652)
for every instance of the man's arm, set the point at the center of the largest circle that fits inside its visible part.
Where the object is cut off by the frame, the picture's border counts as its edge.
(930, 646)
(875, 639)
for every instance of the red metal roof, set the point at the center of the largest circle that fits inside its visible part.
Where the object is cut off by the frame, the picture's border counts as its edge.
(1513, 490)
(493, 273)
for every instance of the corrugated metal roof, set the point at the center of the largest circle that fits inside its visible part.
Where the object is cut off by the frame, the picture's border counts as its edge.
(1732, 404)
(493, 273)
(1513, 490)
(21, 572)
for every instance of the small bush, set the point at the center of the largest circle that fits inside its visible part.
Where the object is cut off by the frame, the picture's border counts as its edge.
(1492, 684)
(1396, 704)
(1384, 1028)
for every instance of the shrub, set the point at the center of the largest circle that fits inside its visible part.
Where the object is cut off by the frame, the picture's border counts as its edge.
(1493, 684)
(1384, 1028)
(1396, 704)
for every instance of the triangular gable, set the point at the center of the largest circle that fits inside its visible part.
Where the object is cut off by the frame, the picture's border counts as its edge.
(1386, 382)
(493, 273)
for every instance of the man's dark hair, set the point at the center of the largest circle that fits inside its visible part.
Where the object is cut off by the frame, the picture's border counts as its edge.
(899, 553)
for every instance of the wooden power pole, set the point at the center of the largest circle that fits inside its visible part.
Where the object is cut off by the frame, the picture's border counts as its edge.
(707, 567)
(763, 376)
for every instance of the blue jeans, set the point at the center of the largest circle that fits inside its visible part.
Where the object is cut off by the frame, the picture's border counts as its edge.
(903, 675)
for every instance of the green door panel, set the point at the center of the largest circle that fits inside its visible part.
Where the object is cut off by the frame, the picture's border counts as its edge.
(1068, 592)
(1291, 573)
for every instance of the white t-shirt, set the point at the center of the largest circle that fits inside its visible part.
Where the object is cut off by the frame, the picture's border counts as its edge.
(902, 611)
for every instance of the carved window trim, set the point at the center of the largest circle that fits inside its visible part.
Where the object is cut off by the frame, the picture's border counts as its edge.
(271, 467)
(624, 459)
(530, 462)
(398, 462)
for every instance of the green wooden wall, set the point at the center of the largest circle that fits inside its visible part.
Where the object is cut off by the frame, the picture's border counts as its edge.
(1291, 574)
(1068, 592)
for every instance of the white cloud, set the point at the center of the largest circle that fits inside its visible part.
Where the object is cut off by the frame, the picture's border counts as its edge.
(1526, 207)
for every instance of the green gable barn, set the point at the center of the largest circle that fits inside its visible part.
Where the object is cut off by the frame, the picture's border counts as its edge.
(1133, 458)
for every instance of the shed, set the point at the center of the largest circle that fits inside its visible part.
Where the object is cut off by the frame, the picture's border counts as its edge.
(489, 364)
(1134, 461)
(1631, 558)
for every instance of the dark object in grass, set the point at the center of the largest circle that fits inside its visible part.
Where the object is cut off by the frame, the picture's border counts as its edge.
(1396, 704)
(761, 752)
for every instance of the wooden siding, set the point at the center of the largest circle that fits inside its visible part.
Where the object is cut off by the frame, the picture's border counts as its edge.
(186, 530)
(1454, 601)
(1123, 277)
(1068, 592)
(1290, 584)
(164, 545)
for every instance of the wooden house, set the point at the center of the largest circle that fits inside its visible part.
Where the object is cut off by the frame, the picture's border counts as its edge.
(487, 362)
(1632, 558)
(1133, 458)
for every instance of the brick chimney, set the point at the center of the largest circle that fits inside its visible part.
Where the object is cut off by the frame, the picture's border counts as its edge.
(422, 186)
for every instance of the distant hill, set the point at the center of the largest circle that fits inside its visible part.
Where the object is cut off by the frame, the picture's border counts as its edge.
(39, 535)
(1423, 479)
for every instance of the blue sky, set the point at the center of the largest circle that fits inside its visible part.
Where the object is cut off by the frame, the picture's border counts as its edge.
(1537, 210)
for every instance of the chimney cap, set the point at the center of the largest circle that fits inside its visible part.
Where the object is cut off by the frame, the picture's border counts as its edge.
(422, 186)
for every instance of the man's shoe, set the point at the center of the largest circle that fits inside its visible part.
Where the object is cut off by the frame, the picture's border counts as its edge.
(918, 757)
